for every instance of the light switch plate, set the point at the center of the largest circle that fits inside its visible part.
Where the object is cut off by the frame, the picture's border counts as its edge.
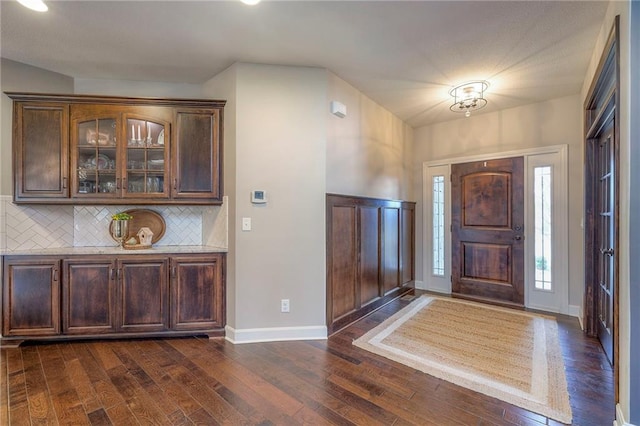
(246, 224)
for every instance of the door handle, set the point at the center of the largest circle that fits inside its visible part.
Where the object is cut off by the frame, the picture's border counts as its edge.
(518, 237)
(608, 252)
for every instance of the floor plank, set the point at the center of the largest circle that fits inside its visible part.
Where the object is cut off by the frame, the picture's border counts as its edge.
(189, 381)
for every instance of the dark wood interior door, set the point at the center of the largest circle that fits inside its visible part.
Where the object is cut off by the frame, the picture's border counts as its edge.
(605, 238)
(487, 217)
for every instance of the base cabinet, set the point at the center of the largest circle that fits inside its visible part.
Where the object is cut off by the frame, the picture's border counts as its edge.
(103, 296)
(31, 297)
(143, 302)
(196, 304)
(88, 296)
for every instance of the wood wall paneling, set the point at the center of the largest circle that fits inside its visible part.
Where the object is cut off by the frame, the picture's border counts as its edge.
(391, 248)
(344, 260)
(370, 255)
(369, 273)
(407, 243)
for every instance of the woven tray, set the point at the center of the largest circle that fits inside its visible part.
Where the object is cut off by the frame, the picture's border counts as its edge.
(141, 218)
(136, 247)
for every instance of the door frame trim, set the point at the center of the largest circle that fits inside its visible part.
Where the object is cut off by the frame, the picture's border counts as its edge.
(610, 54)
(562, 272)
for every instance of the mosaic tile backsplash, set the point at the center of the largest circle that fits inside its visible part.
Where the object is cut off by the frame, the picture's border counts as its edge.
(38, 227)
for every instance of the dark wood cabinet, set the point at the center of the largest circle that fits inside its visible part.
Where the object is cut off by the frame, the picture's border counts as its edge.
(143, 294)
(197, 154)
(120, 152)
(88, 296)
(31, 296)
(79, 149)
(370, 252)
(102, 296)
(195, 303)
(41, 150)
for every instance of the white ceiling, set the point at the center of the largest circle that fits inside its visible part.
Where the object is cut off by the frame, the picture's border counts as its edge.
(406, 56)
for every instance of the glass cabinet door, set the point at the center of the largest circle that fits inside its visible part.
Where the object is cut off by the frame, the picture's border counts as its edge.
(96, 158)
(146, 158)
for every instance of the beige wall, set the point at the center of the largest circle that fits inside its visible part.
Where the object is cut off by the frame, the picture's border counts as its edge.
(151, 89)
(369, 150)
(548, 123)
(280, 148)
(18, 77)
(621, 8)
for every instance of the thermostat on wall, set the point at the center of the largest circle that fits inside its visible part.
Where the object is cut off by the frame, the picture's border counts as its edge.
(258, 197)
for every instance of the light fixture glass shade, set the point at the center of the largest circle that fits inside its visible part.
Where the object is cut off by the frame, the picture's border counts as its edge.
(37, 5)
(469, 97)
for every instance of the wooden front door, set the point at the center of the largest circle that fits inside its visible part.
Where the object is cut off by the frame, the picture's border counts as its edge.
(605, 237)
(487, 217)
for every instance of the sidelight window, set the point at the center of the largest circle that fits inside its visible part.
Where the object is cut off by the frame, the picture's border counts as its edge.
(543, 227)
(438, 225)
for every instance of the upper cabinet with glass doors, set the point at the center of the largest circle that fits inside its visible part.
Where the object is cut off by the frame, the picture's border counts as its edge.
(117, 150)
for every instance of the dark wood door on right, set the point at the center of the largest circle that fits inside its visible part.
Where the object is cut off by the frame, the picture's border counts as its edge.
(487, 216)
(605, 237)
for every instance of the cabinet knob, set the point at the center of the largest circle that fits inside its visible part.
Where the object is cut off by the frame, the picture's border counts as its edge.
(175, 184)
(117, 183)
(64, 183)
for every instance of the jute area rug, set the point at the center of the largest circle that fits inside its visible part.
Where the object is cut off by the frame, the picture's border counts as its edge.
(507, 354)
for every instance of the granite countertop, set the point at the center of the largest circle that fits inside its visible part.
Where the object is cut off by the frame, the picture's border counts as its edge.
(112, 250)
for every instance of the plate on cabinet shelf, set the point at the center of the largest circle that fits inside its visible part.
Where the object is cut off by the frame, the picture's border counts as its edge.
(161, 138)
(145, 218)
(100, 161)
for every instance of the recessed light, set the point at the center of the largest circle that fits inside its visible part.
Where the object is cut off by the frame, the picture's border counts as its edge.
(37, 5)
(250, 2)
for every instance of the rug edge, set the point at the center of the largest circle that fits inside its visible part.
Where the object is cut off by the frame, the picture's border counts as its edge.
(559, 414)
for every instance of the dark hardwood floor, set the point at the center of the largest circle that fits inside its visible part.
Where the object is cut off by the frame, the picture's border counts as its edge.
(200, 381)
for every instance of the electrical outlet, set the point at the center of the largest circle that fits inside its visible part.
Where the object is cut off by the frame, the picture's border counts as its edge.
(284, 305)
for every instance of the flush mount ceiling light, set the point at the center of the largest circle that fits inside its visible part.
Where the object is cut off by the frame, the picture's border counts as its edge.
(37, 5)
(250, 2)
(469, 97)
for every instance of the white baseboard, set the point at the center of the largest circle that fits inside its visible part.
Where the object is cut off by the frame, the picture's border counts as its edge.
(275, 334)
(445, 288)
(576, 311)
(619, 421)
